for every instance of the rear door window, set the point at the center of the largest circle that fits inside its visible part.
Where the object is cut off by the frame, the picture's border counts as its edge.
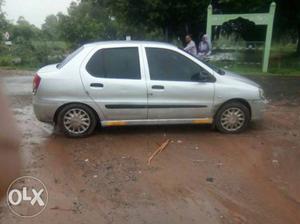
(115, 63)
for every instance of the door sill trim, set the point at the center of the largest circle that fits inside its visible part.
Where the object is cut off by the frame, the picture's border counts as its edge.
(156, 122)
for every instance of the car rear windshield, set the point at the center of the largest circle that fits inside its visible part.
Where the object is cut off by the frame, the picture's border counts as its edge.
(69, 58)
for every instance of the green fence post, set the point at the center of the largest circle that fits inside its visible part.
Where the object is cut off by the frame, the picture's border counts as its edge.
(209, 22)
(269, 37)
(257, 18)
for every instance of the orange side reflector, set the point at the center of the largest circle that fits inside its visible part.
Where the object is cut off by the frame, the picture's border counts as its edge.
(116, 123)
(203, 121)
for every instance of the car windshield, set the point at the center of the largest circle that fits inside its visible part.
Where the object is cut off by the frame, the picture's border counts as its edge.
(69, 58)
(213, 67)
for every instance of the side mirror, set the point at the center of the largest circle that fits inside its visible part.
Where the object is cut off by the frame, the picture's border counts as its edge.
(203, 76)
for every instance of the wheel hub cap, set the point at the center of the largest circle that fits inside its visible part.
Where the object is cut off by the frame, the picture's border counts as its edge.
(77, 121)
(232, 119)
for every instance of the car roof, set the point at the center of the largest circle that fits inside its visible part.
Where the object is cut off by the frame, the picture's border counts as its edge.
(125, 43)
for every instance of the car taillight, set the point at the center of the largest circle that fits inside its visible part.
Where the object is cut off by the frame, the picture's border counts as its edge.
(36, 83)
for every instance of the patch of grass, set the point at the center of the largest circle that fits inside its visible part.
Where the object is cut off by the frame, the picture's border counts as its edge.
(283, 61)
(19, 67)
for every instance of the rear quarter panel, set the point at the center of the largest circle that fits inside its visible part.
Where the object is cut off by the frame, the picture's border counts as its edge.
(60, 87)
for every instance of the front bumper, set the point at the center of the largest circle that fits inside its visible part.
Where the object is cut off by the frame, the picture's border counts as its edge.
(258, 108)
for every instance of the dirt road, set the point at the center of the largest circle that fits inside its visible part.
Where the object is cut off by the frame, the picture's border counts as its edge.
(201, 177)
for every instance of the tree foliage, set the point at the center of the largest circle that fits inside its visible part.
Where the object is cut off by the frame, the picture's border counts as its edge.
(173, 17)
(51, 28)
(85, 23)
(23, 32)
(288, 19)
(1, 4)
(93, 20)
(3, 22)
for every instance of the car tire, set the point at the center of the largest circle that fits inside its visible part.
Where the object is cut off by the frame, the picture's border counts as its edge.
(232, 118)
(77, 120)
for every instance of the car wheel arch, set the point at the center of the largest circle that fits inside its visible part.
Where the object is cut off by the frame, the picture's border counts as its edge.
(66, 104)
(237, 100)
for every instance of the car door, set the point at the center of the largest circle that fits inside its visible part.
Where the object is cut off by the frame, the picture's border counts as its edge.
(114, 79)
(174, 88)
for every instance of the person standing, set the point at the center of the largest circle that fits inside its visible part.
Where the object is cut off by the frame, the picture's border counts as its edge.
(190, 45)
(204, 46)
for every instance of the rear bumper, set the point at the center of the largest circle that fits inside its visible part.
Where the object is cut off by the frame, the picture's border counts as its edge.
(258, 108)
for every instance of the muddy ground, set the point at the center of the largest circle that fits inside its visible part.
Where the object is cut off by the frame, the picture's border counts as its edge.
(201, 177)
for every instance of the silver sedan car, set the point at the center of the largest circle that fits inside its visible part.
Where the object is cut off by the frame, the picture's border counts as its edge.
(142, 83)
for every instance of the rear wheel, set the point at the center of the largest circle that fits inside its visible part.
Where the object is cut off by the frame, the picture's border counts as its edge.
(77, 120)
(233, 118)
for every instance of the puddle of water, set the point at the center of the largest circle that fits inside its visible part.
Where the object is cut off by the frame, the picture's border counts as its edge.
(17, 85)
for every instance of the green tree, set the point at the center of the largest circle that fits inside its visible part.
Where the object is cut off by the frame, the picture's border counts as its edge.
(85, 23)
(241, 6)
(288, 19)
(173, 17)
(4, 24)
(1, 4)
(24, 32)
(51, 28)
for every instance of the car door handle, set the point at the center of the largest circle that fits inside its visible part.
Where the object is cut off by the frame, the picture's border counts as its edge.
(158, 87)
(97, 85)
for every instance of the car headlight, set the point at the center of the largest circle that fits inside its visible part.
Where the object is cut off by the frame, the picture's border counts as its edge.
(262, 94)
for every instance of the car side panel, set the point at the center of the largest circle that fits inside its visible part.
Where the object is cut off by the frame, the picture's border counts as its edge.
(179, 99)
(119, 99)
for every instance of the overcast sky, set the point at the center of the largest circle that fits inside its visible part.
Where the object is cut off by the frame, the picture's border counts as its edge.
(35, 11)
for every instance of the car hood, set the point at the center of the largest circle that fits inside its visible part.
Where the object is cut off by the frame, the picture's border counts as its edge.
(240, 78)
(48, 68)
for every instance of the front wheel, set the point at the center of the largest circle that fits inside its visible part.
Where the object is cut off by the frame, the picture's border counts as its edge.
(76, 120)
(233, 118)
